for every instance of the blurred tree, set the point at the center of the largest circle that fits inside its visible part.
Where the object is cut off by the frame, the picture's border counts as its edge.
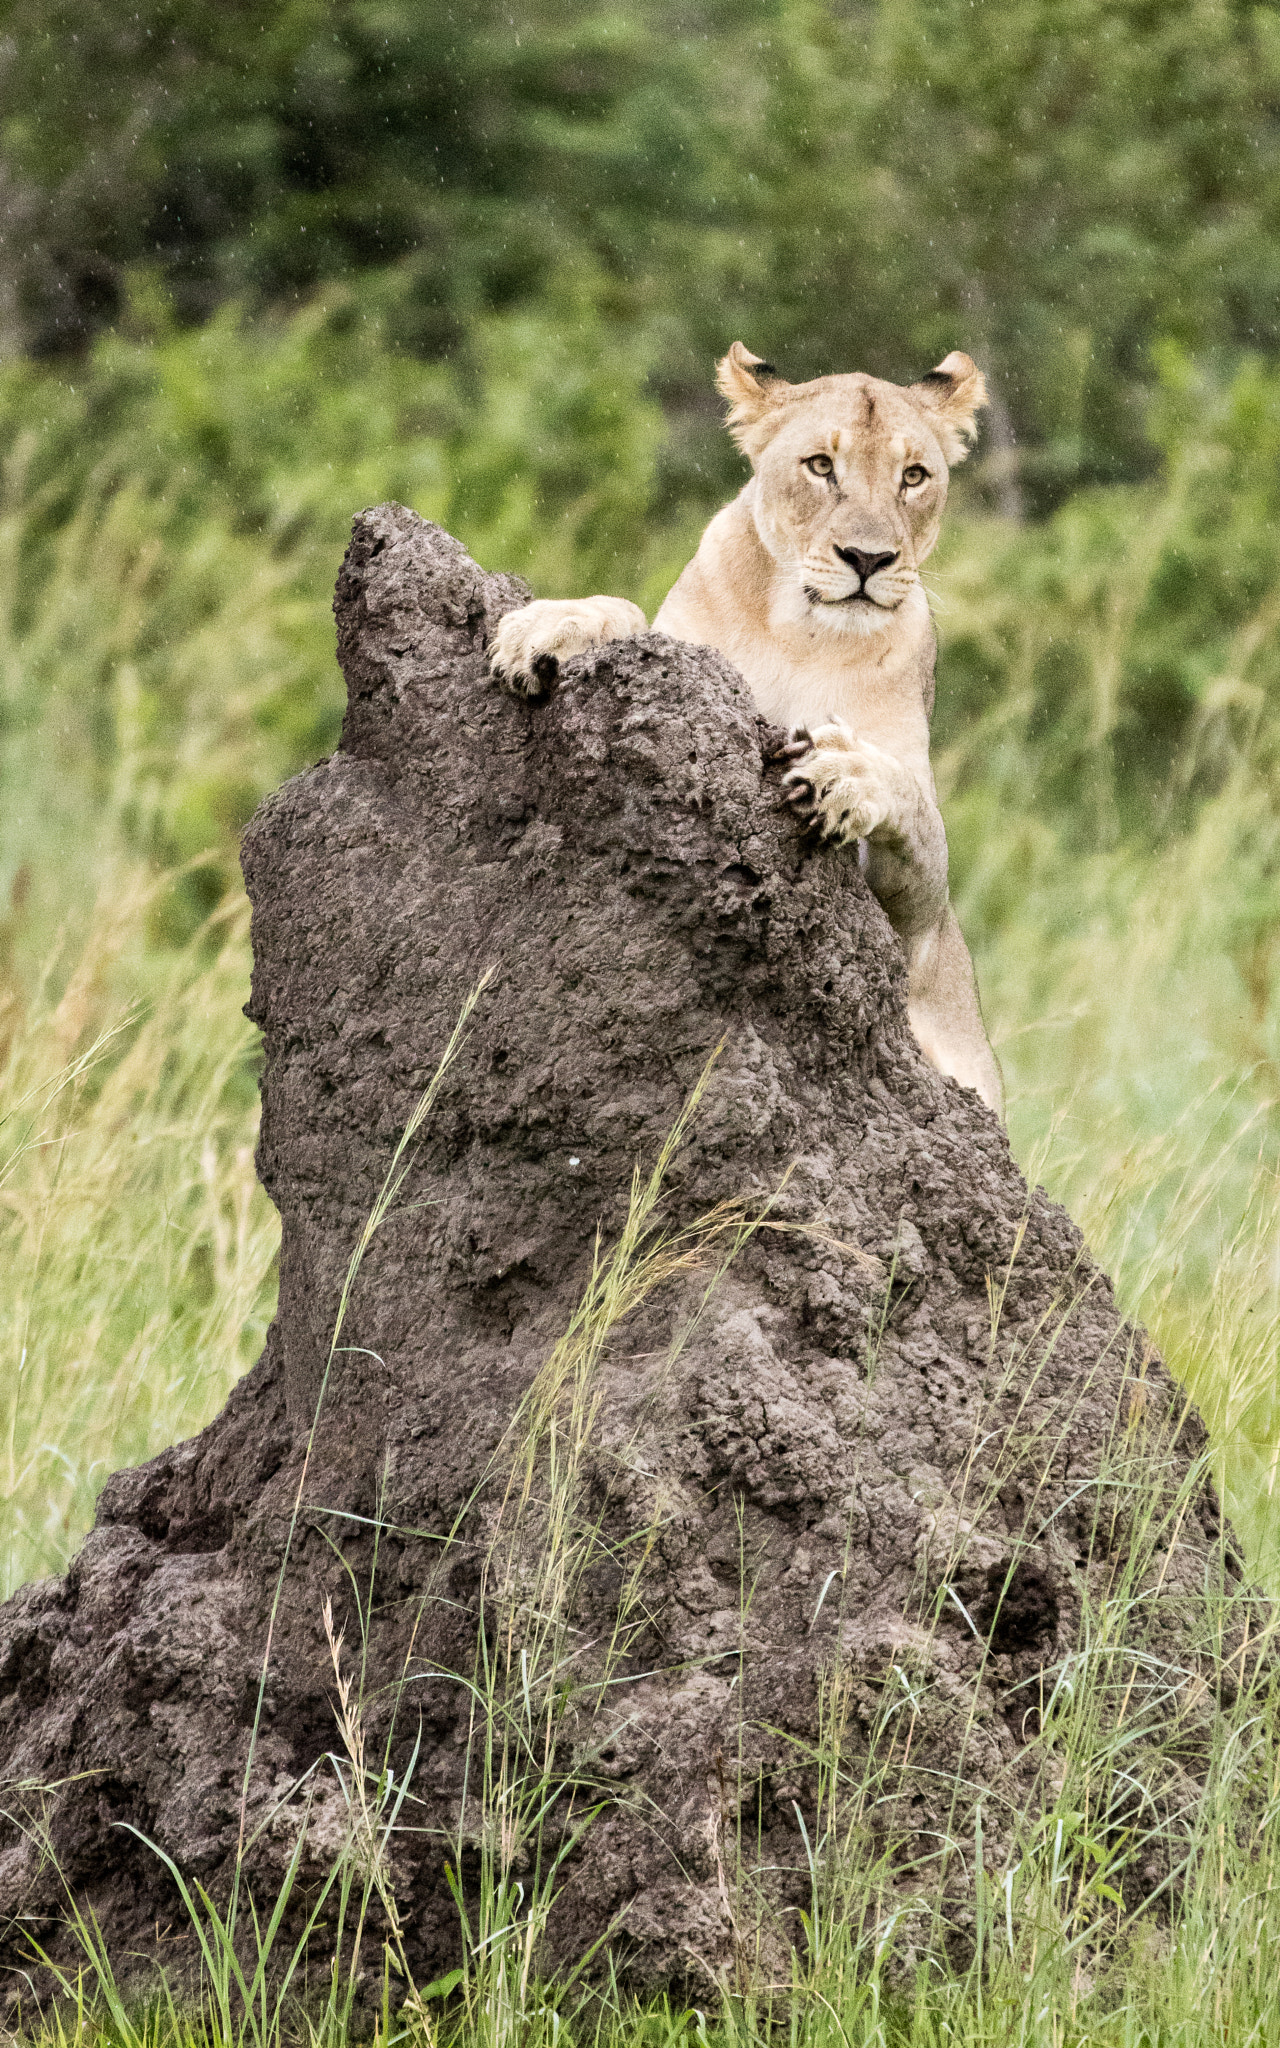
(1056, 181)
(1052, 183)
(265, 147)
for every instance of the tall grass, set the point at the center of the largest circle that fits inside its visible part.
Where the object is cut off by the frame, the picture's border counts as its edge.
(136, 1248)
(1121, 1901)
(1131, 994)
(1106, 752)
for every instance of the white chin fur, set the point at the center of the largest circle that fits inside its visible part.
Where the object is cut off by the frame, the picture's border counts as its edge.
(859, 621)
(793, 606)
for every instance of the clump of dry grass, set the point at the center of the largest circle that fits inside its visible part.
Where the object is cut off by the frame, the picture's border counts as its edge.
(136, 1248)
(1131, 999)
(1056, 1954)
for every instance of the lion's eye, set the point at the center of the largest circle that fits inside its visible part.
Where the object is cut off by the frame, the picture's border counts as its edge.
(914, 473)
(819, 465)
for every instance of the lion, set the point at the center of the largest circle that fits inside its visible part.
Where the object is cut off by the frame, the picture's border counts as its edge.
(809, 583)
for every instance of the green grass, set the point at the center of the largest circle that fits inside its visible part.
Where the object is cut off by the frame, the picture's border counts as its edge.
(1055, 1946)
(170, 528)
(137, 1249)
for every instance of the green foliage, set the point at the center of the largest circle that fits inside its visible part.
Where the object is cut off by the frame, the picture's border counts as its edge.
(1052, 183)
(1123, 661)
(172, 515)
(136, 1248)
(554, 465)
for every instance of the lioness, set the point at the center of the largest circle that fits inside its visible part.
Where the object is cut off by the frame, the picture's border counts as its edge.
(809, 582)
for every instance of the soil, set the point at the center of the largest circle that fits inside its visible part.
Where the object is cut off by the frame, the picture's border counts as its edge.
(882, 1455)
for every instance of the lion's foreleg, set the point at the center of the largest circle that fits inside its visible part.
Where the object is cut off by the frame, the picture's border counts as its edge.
(907, 861)
(945, 1014)
(848, 788)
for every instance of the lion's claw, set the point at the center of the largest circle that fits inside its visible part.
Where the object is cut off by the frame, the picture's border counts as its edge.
(803, 801)
(837, 786)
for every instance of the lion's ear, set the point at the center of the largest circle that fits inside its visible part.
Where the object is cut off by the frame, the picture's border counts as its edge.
(752, 388)
(952, 396)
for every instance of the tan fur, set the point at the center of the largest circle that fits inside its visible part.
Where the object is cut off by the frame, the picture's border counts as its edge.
(809, 583)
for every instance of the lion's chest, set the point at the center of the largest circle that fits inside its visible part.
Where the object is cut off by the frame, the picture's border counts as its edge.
(888, 709)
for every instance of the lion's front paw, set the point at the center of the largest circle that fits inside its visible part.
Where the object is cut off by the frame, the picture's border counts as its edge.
(841, 786)
(530, 644)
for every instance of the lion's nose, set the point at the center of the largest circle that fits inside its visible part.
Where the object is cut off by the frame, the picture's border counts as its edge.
(865, 564)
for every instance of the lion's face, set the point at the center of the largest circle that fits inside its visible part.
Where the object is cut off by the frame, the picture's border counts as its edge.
(850, 482)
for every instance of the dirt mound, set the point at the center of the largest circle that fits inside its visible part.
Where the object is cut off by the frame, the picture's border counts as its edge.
(882, 1458)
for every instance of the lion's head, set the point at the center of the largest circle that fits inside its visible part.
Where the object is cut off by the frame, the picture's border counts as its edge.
(850, 479)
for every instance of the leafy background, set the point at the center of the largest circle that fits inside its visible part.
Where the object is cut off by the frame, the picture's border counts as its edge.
(264, 264)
